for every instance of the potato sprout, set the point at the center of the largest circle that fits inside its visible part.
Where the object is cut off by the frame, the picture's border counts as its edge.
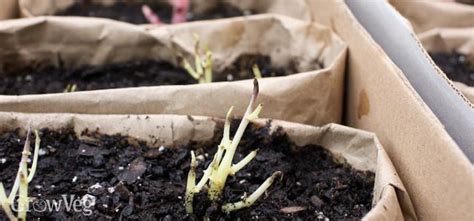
(221, 166)
(22, 179)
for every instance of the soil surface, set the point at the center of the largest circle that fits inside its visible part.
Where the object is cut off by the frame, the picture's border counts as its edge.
(456, 66)
(469, 2)
(126, 74)
(132, 11)
(132, 181)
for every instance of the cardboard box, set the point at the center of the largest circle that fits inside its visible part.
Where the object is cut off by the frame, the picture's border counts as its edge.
(437, 175)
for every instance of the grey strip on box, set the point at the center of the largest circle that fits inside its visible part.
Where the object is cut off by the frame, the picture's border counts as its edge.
(391, 32)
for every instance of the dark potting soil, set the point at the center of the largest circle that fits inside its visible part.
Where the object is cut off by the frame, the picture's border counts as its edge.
(133, 181)
(469, 2)
(128, 11)
(222, 10)
(126, 74)
(456, 66)
(132, 11)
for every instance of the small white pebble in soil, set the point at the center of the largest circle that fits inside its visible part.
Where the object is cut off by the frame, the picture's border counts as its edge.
(162, 148)
(18, 140)
(230, 77)
(111, 189)
(242, 181)
(3, 160)
(121, 168)
(321, 216)
(105, 205)
(51, 149)
(74, 179)
(83, 150)
(206, 155)
(298, 183)
(53, 186)
(95, 186)
(87, 200)
(38, 186)
(200, 158)
(116, 210)
(249, 174)
(42, 152)
(138, 177)
(179, 197)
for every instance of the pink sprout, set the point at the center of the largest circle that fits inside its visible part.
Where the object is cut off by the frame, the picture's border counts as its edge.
(150, 15)
(180, 10)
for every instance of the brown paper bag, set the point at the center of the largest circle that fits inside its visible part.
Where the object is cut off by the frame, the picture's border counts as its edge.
(9, 9)
(297, 8)
(436, 173)
(447, 40)
(359, 148)
(427, 15)
(312, 97)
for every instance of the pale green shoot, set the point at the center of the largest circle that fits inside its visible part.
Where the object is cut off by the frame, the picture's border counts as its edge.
(256, 71)
(221, 166)
(202, 70)
(21, 181)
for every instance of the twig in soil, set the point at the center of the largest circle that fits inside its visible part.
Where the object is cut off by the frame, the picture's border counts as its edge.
(221, 166)
(22, 179)
(203, 66)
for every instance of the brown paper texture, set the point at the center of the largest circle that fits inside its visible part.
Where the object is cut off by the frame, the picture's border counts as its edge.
(297, 8)
(9, 9)
(436, 174)
(447, 40)
(359, 148)
(312, 97)
(427, 15)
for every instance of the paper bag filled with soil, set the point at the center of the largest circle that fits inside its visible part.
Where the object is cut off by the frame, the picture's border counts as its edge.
(135, 167)
(427, 15)
(453, 52)
(302, 66)
(132, 11)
